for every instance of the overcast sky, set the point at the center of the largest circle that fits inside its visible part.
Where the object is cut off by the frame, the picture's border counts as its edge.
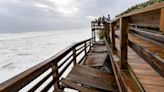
(42, 15)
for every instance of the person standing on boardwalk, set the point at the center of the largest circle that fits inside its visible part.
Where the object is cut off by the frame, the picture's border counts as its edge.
(108, 17)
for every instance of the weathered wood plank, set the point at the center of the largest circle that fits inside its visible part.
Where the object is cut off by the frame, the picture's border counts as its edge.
(95, 59)
(151, 80)
(162, 20)
(124, 42)
(153, 88)
(77, 87)
(92, 77)
(98, 49)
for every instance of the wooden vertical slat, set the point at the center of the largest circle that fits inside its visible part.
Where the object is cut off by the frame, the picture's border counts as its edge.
(74, 56)
(124, 42)
(162, 20)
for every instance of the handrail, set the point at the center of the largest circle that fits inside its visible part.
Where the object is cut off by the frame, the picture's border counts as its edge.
(146, 9)
(114, 66)
(21, 80)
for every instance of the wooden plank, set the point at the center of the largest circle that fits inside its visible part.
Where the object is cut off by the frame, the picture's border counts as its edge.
(151, 80)
(162, 20)
(130, 84)
(146, 75)
(150, 19)
(78, 87)
(153, 88)
(157, 37)
(92, 77)
(98, 49)
(58, 90)
(146, 9)
(152, 56)
(95, 59)
(124, 42)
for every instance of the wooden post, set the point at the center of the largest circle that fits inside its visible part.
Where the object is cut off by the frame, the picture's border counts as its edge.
(113, 37)
(55, 73)
(74, 56)
(106, 31)
(162, 20)
(124, 42)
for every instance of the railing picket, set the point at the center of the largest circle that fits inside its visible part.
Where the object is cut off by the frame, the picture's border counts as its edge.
(74, 56)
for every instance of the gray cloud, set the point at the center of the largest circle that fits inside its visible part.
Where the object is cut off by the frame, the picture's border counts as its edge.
(41, 15)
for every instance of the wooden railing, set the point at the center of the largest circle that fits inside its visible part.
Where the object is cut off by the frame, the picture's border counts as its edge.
(51, 69)
(150, 18)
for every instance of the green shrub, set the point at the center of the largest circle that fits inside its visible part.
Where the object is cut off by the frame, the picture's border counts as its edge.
(101, 34)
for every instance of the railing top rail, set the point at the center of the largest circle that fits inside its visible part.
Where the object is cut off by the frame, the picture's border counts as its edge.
(139, 11)
(33, 72)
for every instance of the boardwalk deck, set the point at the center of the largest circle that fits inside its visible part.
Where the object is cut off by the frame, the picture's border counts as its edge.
(150, 80)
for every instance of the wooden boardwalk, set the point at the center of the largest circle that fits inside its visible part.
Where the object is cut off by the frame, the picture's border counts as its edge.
(132, 58)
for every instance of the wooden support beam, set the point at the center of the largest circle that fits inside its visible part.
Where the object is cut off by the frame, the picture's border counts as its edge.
(162, 20)
(124, 42)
